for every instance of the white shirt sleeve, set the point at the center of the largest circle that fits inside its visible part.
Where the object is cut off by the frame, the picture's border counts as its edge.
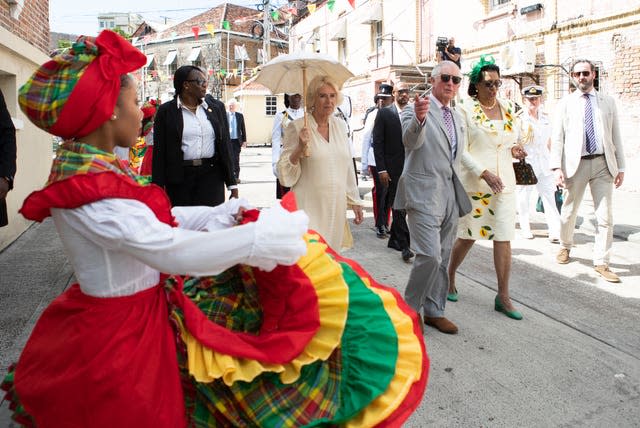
(209, 218)
(276, 142)
(131, 227)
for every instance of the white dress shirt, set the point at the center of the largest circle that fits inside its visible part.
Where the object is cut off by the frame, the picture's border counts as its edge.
(198, 136)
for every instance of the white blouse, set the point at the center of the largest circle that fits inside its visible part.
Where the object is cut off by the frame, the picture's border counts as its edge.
(118, 247)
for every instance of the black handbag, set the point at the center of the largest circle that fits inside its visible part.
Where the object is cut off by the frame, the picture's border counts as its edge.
(524, 173)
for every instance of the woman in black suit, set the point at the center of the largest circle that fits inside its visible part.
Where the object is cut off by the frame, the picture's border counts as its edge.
(192, 153)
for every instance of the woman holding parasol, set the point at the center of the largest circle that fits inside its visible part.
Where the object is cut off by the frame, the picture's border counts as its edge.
(323, 181)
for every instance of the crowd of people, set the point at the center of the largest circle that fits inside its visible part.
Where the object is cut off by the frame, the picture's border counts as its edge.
(231, 301)
(190, 310)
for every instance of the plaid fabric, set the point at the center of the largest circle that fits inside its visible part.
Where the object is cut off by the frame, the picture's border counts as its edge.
(74, 158)
(45, 94)
(136, 154)
(353, 370)
(267, 402)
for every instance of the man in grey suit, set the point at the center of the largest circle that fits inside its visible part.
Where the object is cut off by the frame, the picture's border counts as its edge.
(586, 148)
(429, 190)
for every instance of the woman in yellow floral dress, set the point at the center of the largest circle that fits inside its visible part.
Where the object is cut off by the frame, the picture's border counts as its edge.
(487, 176)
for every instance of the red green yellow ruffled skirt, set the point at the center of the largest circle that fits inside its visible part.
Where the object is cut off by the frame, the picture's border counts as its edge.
(319, 343)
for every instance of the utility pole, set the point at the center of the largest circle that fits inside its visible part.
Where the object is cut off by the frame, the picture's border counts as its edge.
(266, 27)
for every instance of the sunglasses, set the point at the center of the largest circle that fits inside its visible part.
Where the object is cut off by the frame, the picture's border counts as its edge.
(200, 82)
(489, 83)
(446, 77)
(583, 73)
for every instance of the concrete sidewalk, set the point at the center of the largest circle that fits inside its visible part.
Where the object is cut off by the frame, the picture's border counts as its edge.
(573, 361)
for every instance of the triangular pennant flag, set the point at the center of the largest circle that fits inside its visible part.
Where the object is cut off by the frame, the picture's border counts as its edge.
(293, 11)
(211, 29)
(331, 4)
(226, 25)
(275, 15)
(196, 31)
(352, 3)
(311, 8)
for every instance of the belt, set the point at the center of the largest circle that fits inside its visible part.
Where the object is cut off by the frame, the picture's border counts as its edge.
(197, 162)
(591, 156)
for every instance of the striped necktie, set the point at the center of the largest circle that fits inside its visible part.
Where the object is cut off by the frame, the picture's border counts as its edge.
(448, 121)
(589, 131)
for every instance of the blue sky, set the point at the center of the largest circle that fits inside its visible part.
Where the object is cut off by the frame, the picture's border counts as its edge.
(66, 16)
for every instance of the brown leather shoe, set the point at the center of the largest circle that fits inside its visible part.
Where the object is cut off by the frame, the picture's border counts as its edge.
(442, 324)
(563, 256)
(604, 272)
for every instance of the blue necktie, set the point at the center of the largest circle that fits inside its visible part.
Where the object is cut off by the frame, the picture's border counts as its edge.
(589, 131)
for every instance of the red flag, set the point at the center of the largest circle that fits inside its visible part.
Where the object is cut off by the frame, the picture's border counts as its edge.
(352, 3)
(196, 31)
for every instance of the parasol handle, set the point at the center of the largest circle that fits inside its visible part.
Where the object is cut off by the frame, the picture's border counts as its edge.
(307, 152)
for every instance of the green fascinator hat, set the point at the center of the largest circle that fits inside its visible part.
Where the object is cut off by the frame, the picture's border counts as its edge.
(474, 76)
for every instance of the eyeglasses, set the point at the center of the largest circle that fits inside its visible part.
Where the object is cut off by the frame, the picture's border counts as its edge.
(583, 73)
(489, 83)
(446, 77)
(200, 82)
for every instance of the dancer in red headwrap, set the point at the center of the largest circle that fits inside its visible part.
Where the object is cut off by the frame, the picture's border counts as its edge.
(253, 322)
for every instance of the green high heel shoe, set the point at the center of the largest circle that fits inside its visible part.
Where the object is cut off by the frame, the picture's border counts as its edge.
(452, 297)
(516, 315)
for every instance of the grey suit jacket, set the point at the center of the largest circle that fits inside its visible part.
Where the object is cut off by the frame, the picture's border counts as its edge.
(429, 175)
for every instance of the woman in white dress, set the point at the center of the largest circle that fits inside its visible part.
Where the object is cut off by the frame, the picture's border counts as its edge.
(324, 182)
(487, 176)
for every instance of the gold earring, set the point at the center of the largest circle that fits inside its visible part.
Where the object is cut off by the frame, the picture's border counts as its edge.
(114, 117)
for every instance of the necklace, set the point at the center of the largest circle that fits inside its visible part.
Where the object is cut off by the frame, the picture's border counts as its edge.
(495, 101)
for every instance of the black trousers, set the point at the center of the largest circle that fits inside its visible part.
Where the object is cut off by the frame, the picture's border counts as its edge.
(381, 206)
(202, 185)
(399, 236)
(236, 146)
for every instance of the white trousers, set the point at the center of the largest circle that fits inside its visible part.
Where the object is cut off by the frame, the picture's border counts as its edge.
(595, 173)
(546, 188)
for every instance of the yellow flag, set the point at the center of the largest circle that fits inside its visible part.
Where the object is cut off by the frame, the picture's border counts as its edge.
(210, 28)
(311, 7)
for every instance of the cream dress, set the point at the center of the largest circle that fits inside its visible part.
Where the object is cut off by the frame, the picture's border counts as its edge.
(324, 183)
(488, 147)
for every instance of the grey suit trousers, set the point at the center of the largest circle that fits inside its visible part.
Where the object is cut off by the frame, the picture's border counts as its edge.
(432, 238)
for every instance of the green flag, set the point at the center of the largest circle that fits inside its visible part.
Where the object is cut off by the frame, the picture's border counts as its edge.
(226, 25)
(331, 4)
(275, 15)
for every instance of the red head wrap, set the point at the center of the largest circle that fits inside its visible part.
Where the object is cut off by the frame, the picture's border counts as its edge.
(74, 93)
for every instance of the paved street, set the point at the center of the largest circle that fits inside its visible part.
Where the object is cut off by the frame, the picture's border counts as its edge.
(574, 361)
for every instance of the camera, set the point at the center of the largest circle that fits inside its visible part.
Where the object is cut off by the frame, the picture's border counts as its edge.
(441, 43)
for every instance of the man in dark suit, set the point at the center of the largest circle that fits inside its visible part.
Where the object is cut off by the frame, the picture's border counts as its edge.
(237, 135)
(389, 155)
(192, 153)
(7, 158)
